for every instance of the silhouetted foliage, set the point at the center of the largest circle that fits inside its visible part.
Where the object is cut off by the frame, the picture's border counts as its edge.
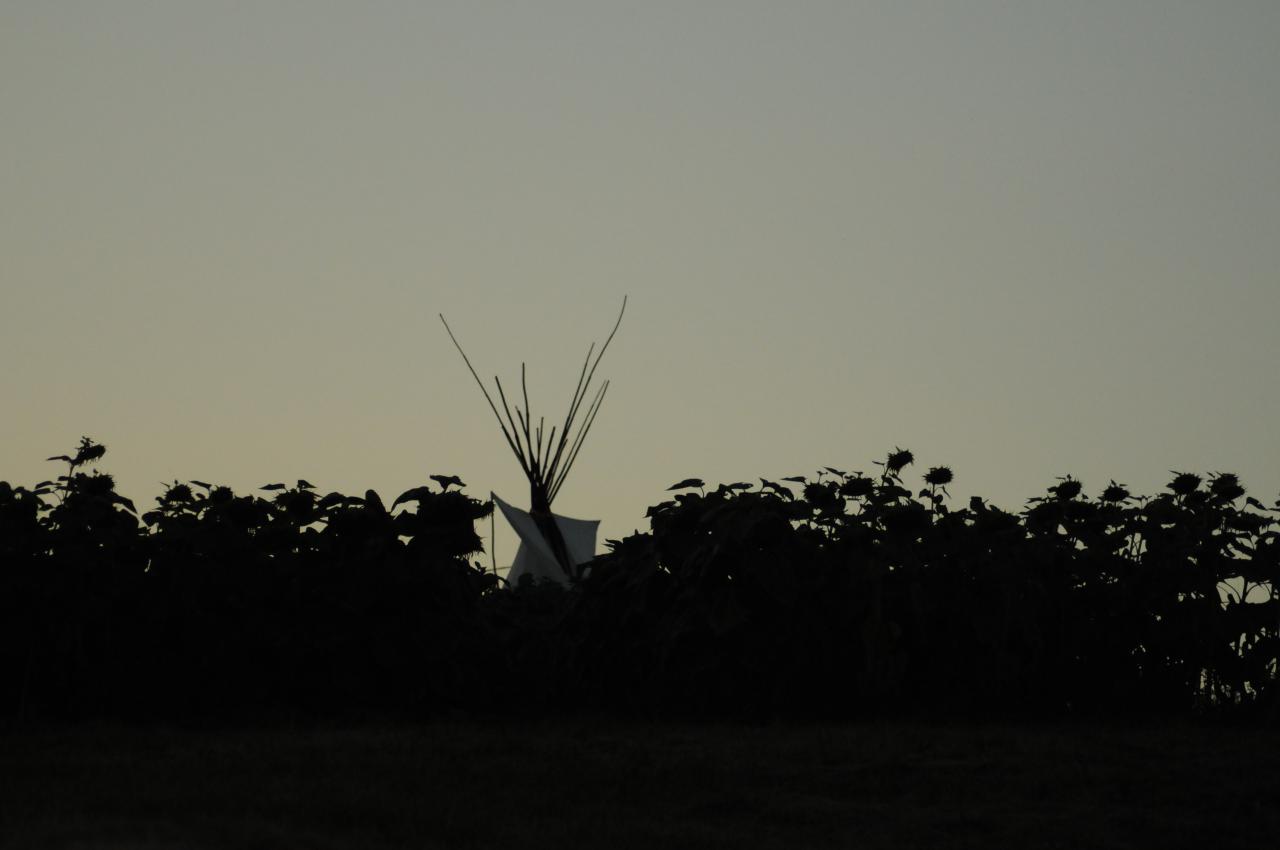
(860, 596)
(215, 603)
(836, 594)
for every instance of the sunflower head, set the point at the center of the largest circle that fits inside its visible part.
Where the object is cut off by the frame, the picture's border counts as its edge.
(1226, 486)
(857, 487)
(178, 493)
(88, 452)
(1185, 483)
(98, 484)
(898, 460)
(938, 476)
(1067, 490)
(1114, 493)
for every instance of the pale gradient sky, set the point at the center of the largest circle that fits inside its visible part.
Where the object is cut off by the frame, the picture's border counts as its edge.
(1023, 239)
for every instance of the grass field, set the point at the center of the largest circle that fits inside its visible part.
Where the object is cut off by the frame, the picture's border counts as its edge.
(615, 785)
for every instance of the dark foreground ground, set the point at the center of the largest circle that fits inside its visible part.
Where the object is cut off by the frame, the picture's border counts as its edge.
(594, 784)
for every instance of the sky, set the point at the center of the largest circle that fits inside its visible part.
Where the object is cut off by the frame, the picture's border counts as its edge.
(1022, 239)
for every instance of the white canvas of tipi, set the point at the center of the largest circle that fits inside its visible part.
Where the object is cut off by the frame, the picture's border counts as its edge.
(534, 557)
(552, 547)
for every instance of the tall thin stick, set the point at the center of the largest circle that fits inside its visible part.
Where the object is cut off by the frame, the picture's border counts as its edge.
(581, 438)
(480, 384)
(580, 394)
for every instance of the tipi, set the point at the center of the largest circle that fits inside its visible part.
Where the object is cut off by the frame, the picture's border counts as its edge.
(551, 546)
